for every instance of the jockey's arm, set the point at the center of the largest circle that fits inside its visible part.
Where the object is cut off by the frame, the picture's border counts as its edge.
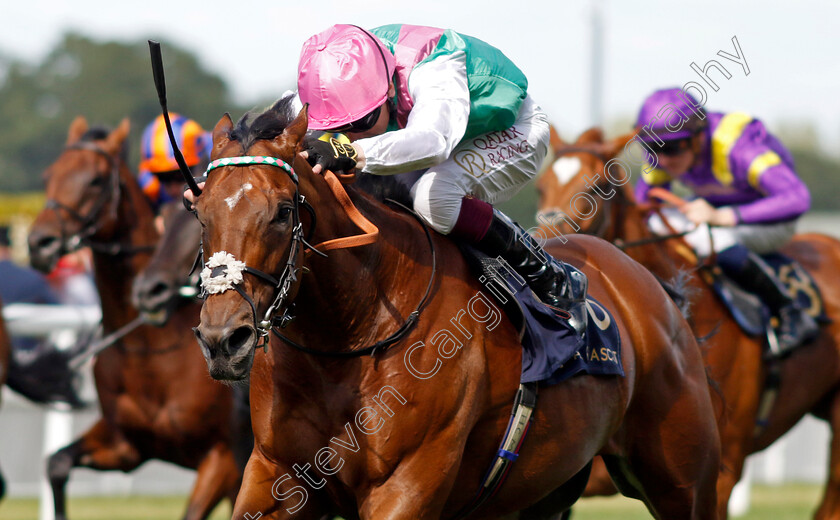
(436, 124)
(786, 198)
(650, 177)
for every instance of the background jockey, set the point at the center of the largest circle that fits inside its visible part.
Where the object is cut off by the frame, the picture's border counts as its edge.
(415, 98)
(158, 175)
(746, 188)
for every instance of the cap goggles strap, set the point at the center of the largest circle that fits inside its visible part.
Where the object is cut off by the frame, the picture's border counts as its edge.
(674, 146)
(245, 160)
(362, 124)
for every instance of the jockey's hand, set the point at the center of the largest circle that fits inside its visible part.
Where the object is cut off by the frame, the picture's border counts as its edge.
(701, 212)
(330, 155)
(189, 196)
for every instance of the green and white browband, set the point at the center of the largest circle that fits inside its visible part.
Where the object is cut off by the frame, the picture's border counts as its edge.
(246, 160)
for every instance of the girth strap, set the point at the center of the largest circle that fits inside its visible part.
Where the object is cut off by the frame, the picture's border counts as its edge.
(520, 421)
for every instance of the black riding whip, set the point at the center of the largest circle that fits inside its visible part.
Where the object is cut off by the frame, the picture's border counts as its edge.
(160, 85)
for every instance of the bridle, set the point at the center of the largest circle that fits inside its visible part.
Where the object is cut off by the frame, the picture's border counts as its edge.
(90, 223)
(289, 276)
(606, 217)
(621, 201)
(287, 280)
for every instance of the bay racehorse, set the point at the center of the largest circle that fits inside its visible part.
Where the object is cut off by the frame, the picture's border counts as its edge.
(155, 399)
(810, 377)
(160, 288)
(407, 429)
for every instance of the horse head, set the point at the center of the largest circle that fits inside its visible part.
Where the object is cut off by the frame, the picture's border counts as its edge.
(577, 192)
(252, 234)
(159, 288)
(83, 191)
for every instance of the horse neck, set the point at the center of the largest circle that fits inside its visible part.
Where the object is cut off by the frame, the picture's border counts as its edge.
(359, 295)
(115, 273)
(630, 225)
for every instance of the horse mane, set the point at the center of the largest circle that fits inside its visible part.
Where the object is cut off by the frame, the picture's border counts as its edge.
(382, 187)
(271, 122)
(264, 125)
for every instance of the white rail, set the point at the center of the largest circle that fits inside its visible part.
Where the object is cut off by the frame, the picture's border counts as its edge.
(62, 323)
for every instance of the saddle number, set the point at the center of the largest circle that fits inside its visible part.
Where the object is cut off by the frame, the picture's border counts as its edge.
(601, 319)
(798, 282)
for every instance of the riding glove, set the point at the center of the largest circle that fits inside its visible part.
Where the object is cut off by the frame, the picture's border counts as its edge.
(331, 155)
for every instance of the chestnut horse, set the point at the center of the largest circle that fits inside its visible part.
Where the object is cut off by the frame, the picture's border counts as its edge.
(734, 358)
(406, 430)
(156, 401)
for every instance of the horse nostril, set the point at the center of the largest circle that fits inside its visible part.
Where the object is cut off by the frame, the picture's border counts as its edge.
(159, 289)
(241, 337)
(211, 352)
(47, 243)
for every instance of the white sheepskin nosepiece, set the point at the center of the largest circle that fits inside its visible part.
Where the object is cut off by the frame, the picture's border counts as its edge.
(225, 278)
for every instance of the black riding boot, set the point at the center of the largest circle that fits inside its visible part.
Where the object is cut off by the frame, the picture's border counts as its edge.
(553, 282)
(795, 325)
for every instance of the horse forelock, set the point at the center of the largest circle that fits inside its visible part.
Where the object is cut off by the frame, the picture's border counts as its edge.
(268, 124)
(100, 133)
(95, 133)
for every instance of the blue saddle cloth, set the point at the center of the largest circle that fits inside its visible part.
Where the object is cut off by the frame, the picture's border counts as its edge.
(551, 349)
(748, 310)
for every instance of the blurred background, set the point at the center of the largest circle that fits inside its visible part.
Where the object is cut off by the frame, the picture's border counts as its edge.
(588, 63)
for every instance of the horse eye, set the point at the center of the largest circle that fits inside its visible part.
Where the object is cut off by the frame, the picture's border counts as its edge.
(283, 214)
(97, 181)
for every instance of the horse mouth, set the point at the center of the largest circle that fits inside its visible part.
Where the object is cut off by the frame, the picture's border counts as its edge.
(44, 260)
(229, 356)
(230, 370)
(157, 317)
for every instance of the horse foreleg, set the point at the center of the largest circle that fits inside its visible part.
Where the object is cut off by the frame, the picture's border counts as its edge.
(99, 448)
(600, 483)
(732, 466)
(271, 491)
(830, 505)
(217, 477)
(420, 492)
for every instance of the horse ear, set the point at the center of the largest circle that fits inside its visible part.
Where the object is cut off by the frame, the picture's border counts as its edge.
(593, 135)
(554, 139)
(77, 129)
(221, 134)
(297, 129)
(616, 145)
(115, 140)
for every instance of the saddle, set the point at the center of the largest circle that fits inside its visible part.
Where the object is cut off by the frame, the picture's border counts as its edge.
(747, 309)
(552, 349)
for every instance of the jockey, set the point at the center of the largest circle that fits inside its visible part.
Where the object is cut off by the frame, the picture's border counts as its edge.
(450, 106)
(159, 175)
(748, 195)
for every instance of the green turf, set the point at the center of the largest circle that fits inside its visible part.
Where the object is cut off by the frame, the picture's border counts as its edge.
(790, 502)
(110, 508)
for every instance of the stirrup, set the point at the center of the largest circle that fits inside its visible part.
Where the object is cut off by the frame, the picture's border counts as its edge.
(796, 328)
(569, 295)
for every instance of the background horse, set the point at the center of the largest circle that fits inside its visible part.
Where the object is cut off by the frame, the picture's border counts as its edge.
(157, 290)
(156, 402)
(809, 377)
(409, 431)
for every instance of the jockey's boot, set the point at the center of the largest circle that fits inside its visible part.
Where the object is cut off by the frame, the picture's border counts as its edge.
(554, 282)
(795, 325)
